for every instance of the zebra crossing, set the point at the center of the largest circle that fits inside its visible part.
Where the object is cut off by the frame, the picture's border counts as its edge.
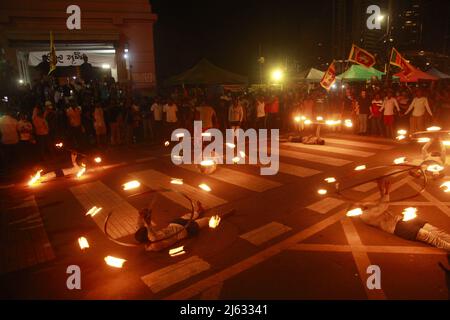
(303, 163)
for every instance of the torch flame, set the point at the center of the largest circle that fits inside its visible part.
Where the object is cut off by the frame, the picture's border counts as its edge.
(204, 187)
(330, 179)
(354, 212)
(167, 143)
(93, 211)
(435, 168)
(400, 160)
(400, 137)
(446, 186)
(307, 121)
(131, 185)
(231, 145)
(207, 163)
(35, 179)
(360, 168)
(434, 128)
(322, 192)
(319, 118)
(81, 171)
(114, 262)
(214, 222)
(59, 145)
(236, 159)
(98, 160)
(297, 119)
(176, 181)
(409, 214)
(402, 132)
(177, 251)
(84, 244)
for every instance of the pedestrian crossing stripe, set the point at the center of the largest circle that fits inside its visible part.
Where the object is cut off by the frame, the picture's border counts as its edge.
(323, 206)
(345, 151)
(124, 220)
(368, 145)
(265, 233)
(238, 178)
(175, 273)
(297, 171)
(156, 180)
(331, 161)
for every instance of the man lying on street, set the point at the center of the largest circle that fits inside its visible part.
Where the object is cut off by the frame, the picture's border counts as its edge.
(64, 171)
(177, 230)
(380, 217)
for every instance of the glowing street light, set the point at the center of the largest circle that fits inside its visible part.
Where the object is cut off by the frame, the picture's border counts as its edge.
(277, 75)
(380, 17)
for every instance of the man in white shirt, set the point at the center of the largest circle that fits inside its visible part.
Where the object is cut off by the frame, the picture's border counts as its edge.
(9, 139)
(157, 111)
(418, 105)
(388, 106)
(171, 109)
(260, 113)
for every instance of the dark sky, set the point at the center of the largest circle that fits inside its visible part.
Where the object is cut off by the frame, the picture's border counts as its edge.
(229, 32)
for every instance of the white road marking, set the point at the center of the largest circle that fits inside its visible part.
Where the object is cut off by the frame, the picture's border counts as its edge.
(328, 149)
(365, 187)
(331, 161)
(361, 144)
(238, 178)
(123, 221)
(168, 276)
(265, 233)
(432, 199)
(156, 180)
(323, 206)
(297, 171)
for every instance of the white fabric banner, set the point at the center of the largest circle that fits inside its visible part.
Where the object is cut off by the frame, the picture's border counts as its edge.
(74, 58)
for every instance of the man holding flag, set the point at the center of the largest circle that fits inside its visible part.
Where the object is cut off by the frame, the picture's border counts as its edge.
(53, 58)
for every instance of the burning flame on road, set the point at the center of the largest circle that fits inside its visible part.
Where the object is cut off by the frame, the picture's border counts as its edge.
(409, 214)
(204, 187)
(360, 168)
(354, 212)
(114, 262)
(131, 185)
(81, 172)
(35, 179)
(59, 145)
(435, 168)
(446, 186)
(402, 132)
(322, 192)
(98, 160)
(93, 211)
(214, 222)
(423, 140)
(167, 143)
(400, 137)
(330, 179)
(176, 181)
(177, 251)
(84, 244)
(236, 159)
(400, 160)
(434, 128)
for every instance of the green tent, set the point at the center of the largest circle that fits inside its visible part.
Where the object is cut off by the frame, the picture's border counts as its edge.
(360, 73)
(206, 73)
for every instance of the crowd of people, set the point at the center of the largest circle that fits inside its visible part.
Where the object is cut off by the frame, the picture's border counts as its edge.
(101, 114)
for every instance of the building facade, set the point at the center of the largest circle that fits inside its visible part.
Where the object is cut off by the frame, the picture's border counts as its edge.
(114, 34)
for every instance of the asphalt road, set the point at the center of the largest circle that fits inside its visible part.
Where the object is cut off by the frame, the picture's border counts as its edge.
(284, 242)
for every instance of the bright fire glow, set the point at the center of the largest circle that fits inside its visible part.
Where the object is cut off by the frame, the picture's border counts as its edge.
(214, 222)
(176, 181)
(400, 137)
(423, 140)
(446, 143)
(35, 179)
(331, 122)
(297, 119)
(204, 187)
(167, 143)
(59, 145)
(177, 251)
(400, 160)
(319, 118)
(236, 159)
(322, 191)
(409, 214)
(434, 128)
(360, 168)
(131, 185)
(242, 153)
(446, 186)
(231, 145)
(307, 121)
(81, 171)
(348, 123)
(402, 132)
(330, 180)
(93, 211)
(354, 212)
(98, 160)
(207, 163)
(114, 262)
(84, 244)
(435, 168)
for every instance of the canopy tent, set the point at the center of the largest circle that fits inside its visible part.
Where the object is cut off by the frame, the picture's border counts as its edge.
(309, 75)
(436, 73)
(415, 75)
(206, 73)
(360, 73)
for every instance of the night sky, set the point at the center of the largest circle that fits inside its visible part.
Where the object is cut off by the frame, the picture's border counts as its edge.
(229, 33)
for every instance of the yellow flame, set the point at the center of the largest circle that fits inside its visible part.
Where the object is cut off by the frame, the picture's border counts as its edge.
(133, 184)
(400, 160)
(177, 251)
(214, 222)
(423, 140)
(59, 145)
(322, 191)
(402, 132)
(319, 118)
(98, 159)
(446, 186)
(84, 244)
(354, 212)
(207, 163)
(93, 211)
(236, 159)
(360, 168)
(35, 179)
(435, 168)
(297, 119)
(204, 187)
(434, 128)
(242, 154)
(114, 262)
(303, 117)
(176, 181)
(446, 143)
(307, 121)
(400, 137)
(330, 180)
(231, 145)
(167, 143)
(409, 214)
(81, 171)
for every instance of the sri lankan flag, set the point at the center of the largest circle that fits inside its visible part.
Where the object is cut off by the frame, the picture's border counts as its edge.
(361, 56)
(397, 60)
(53, 58)
(329, 77)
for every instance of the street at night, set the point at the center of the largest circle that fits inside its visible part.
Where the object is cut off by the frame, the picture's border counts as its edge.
(247, 152)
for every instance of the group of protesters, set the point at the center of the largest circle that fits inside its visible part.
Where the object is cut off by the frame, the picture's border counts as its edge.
(102, 114)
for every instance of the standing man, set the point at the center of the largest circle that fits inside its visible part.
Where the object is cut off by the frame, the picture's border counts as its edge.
(418, 105)
(260, 113)
(207, 115)
(388, 106)
(9, 139)
(157, 111)
(74, 115)
(364, 104)
(171, 109)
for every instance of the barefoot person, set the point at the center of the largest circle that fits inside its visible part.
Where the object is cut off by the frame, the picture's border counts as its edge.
(380, 217)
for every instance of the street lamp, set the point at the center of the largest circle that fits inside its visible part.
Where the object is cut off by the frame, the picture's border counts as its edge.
(277, 75)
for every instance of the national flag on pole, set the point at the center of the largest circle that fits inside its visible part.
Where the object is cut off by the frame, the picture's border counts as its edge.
(329, 77)
(397, 60)
(53, 58)
(361, 56)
